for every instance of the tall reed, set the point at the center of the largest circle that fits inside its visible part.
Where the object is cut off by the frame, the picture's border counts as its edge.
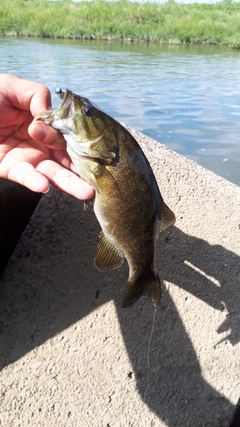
(167, 23)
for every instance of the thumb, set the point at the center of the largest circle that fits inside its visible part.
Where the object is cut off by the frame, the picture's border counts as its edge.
(50, 137)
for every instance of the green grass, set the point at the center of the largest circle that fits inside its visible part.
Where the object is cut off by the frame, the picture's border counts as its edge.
(166, 23)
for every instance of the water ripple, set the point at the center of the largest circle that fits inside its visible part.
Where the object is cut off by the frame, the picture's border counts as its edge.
(185, 97)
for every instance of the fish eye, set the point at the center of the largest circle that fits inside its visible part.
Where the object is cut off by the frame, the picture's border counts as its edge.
(88, 111)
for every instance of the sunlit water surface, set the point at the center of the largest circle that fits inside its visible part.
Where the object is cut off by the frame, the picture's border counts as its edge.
(187, 97)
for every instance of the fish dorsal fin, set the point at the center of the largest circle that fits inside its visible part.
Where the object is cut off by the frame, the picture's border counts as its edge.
(168, 217)
(107, 256)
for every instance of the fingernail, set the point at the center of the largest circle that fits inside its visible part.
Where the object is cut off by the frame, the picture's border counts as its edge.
(45, 192)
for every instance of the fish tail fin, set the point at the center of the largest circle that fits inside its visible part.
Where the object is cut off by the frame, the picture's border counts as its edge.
(149, 285)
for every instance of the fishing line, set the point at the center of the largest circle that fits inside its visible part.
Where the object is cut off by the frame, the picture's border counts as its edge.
(148, 351)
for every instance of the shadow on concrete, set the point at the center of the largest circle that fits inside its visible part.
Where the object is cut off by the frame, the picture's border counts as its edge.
(209, 272)
(63, 286)
(173, 360)
(17, 204)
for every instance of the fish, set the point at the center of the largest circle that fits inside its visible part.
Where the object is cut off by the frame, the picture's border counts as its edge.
(127, 202)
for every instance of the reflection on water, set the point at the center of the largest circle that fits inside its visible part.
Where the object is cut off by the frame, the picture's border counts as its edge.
(186, 97)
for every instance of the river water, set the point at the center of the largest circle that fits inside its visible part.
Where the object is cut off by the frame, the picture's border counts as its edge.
(187, 97)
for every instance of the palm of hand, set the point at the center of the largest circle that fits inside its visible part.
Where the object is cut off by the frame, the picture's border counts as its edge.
(32, 163)
(20, 155)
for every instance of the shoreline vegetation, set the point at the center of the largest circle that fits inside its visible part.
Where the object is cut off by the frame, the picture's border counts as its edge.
(169, 22)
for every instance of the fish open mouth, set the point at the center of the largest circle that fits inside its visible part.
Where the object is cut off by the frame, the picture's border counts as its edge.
(61, 112)
(67, 98)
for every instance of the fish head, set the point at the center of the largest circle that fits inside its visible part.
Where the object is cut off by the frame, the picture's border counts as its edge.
(83, 125)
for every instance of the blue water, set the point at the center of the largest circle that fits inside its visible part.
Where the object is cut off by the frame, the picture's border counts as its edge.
(187, 97)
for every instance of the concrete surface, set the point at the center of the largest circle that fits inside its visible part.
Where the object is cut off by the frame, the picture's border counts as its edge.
(70, 356)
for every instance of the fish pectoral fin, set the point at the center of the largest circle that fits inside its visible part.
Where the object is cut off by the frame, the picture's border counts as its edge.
(104, 180)
(148, 285)
(107, 256)
(102, 152)
(168, 218)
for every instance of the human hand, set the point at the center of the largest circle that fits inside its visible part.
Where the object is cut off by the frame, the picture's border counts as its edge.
(33, 154)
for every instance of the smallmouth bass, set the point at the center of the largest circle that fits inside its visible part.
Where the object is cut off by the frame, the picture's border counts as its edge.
(127, 202)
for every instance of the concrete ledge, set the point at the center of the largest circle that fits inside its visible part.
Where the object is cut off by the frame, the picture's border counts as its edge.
(70, 356)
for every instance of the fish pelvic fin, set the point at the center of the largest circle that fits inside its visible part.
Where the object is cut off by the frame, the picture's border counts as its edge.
(148, 285)
(167, 218)
(107, 256)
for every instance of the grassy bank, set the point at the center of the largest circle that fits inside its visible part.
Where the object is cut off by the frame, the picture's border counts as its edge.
(169, 22)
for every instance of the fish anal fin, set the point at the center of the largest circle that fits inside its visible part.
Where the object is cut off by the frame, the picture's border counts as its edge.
(146, 285)
(107, 256)
(168, 218)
